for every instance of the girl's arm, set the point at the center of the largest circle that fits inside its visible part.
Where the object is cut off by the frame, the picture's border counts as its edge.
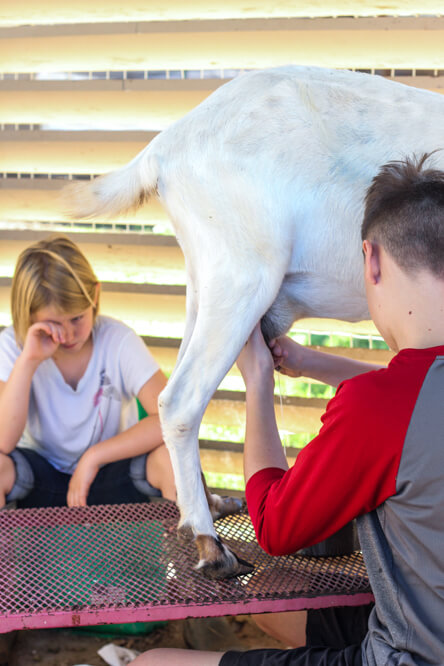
(41, 342)
(295, 360)
(14, 404)
(140, 438)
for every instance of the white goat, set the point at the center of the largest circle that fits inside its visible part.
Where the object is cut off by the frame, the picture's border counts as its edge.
(264, 183)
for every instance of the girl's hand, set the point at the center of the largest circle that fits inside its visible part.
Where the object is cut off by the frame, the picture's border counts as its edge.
(42, 341)
(81, 480)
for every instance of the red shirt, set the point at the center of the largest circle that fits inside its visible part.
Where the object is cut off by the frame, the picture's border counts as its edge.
(350, 468)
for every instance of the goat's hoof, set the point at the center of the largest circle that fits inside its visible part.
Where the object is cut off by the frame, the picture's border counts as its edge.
(216, 561)
(224, 506)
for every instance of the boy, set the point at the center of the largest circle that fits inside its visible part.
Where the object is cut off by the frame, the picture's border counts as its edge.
(379, 456)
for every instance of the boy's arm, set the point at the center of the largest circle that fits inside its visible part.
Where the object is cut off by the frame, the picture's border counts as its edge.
(345, 471)
(296, 360)
(140, 438)
(262, 448)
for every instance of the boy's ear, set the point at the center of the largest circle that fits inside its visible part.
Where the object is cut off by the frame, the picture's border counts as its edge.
(372, 266)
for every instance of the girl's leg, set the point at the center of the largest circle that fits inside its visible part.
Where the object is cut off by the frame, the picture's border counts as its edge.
(175, 657)
(159, 472)
(7, 477)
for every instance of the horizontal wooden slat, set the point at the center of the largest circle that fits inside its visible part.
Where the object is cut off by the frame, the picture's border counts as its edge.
(23, 12)
(107, 237)
(68, 152)
(221, 462)
(114, 261)
(38, 200)
(126, 104)
(363, 328)
(379, 356)
(294, 418)
(149, 314)
(380, 42)
(166, 357)
(433, 83)
(227, 462)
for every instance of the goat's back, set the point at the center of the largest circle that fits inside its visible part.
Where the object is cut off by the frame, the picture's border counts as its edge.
(277, 163)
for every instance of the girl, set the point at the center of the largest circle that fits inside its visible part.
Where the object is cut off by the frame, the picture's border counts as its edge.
(69, 430)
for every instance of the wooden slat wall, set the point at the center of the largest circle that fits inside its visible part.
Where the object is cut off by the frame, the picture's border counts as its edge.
(147, 104)
(37, 200)
(130, 104)
(366, 42)
(22, 12)
(53, 128)
(69, 152)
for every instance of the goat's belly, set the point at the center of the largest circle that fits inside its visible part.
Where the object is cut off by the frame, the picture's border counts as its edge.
(304, 295)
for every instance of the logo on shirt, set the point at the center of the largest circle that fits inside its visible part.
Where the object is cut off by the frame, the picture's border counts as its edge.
(106, 389)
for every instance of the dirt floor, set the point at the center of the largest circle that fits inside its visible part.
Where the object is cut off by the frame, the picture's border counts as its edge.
(56, 647)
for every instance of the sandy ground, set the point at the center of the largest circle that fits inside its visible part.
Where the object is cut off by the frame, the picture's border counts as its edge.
(71, 648)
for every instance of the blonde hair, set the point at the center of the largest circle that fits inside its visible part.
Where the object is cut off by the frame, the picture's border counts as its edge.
(52, 271)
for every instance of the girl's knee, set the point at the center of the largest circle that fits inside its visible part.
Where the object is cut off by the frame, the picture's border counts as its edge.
(7, 477)
(159, 472)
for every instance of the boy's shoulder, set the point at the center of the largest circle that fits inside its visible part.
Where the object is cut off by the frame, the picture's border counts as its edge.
(393, 388)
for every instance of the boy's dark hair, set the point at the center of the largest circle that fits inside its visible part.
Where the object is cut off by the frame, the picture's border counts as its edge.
(404, 211)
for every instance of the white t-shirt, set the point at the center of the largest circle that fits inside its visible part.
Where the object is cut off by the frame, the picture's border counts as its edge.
(62, 422)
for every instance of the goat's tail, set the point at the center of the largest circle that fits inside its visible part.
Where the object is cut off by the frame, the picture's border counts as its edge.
(114, 193)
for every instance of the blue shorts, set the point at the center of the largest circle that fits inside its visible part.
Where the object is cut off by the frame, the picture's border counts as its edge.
(39, 484)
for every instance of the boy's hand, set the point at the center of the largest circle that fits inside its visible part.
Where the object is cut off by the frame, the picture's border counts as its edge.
(255, 361)
(81, 480)
(288, 356)
(42, 341)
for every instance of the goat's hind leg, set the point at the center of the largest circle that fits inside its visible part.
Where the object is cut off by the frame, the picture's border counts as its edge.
(218, 336)
(219, 506)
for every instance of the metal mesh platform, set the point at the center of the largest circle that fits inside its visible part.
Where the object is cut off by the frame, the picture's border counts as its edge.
(124, 563)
